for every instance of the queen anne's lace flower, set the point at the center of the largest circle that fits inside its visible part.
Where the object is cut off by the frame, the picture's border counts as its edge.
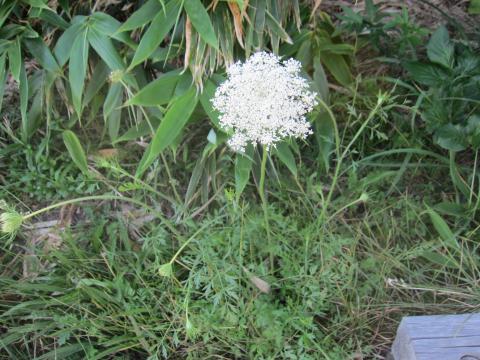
(263, 101)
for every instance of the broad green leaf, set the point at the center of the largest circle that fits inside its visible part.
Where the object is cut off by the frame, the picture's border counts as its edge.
(37, 3)
(339, 49)
(158, 29)
(112, 111)
(105, 49)
(440, 50)
(98, 79)
(194, 179)
(201, 21)
(114, 92)
(50, 17)
(15, 59)
(474, 7)
(158, 92)
(243, 167)
(78, 69)
(338, 67)
(42, 54)
(184, 83)
(320, 81)
(64, 44)
(143, 129)
(108, 25)
(442, 228)
(172, 124)
(142, 16)
(286, 156)
(75, 150)
(3, 78)
(205, 99)
(324, 133)
(277, 29)
(426, 73)
(5, 10)
(23, 84)
(451, 137)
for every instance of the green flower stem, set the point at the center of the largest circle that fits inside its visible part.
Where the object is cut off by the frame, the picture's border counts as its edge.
(261, 189)
(103, 197)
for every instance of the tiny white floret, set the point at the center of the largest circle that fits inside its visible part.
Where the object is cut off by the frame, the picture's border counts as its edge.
(264, 100)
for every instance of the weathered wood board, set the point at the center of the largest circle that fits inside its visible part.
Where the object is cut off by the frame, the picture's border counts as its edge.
(438, 337)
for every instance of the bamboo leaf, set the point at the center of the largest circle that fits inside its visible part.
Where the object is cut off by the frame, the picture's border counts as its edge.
(201, 21)
(112, 111)
(158, 29)
(78, 69)
(64, 44)
(23, 81)
(243, 167)
(205, 99)
(42, 54)
(15, 59)
(3, 78)
(158, 92)
(286, 156)
(75, 150)
(172, 124)
(442, 228)
(142, 16)
(105, 49)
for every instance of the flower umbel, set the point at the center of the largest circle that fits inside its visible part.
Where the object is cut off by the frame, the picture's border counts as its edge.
(10, 221)
(264, 100)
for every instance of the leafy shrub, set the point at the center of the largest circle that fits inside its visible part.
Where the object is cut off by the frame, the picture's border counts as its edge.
(450, 105)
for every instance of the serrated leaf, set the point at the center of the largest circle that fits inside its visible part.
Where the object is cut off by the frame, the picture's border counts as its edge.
(170, 127)
(75, 150)
(426, 74)
(439, 49)
(201, 21)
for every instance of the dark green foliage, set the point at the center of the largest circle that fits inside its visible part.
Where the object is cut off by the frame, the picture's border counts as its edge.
(451, 104)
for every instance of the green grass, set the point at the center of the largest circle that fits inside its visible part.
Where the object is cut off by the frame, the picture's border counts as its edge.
(338, 287)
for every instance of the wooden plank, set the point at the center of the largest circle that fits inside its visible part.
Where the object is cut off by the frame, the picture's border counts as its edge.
(442, 337)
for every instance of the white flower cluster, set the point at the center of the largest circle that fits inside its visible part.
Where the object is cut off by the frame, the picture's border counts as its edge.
(263, 101)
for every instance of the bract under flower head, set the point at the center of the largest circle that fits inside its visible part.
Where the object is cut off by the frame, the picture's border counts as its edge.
(264, 100)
